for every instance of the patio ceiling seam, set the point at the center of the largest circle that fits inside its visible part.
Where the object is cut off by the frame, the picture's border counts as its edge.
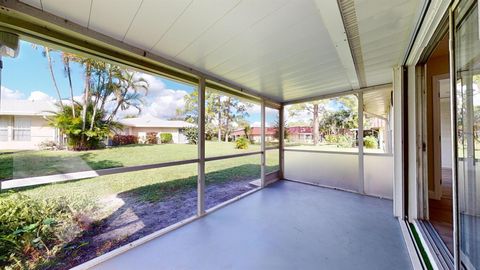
(350, 22)
(131, 22)
(336, 28)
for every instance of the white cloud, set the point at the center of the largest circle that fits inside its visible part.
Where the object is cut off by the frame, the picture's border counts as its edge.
(160, 101)
(40, 96)
(9, 94)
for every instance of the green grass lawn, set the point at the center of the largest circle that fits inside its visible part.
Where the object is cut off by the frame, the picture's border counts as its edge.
(38, 163)
(93, 200)
(147, 184)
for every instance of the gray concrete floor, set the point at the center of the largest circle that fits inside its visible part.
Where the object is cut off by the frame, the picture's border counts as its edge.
(284, 226)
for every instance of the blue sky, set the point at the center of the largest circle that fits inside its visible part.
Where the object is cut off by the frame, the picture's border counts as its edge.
(28, 77)
(29, 72)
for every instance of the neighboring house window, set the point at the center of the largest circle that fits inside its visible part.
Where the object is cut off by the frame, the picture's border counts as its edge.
(4, 121)
(22, 129)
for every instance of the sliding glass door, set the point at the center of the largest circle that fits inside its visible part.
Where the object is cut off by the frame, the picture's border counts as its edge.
(467, 90)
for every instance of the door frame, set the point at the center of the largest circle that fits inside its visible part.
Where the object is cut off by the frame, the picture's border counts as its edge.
(436, 193)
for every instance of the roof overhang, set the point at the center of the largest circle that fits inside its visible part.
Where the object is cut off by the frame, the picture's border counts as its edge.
(277, 49)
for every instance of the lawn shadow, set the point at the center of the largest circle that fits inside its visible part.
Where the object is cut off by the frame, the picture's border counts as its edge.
(150, 208)
(132, 145)
(89, 158)
(37, 165)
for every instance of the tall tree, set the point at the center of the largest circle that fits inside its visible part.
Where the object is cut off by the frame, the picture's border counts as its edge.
(315, 109)
(127, 94)
(66, 59)
(232, 111)
(221, 113)
(218, 109)
(46, 53)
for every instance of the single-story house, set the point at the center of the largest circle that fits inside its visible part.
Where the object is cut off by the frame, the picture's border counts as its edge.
(140, 126)
(300, 134)
(255, 134)
(23, 124)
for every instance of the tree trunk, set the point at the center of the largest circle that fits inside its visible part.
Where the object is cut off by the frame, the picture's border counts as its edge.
(315, 125)
(226, 129)
(69, 75)
(94, 114)
(86, 96)
(219, 120)
(110, 118)
(100, 85)
(50, 66)
(85, 100)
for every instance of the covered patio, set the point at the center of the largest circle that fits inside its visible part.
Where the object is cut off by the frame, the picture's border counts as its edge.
(240, 192)
(287, 225)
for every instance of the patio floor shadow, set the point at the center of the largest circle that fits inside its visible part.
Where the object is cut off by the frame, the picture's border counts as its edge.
(287, 225)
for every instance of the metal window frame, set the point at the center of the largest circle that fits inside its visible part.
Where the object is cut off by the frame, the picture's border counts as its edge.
(44, 28)
(360, 149)
(453, 132)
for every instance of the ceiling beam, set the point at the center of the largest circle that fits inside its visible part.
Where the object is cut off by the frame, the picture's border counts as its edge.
(332, 20)
(341, 93)
(350, 23)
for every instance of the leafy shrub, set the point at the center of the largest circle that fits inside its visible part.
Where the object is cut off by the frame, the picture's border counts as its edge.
(152, 138)
(124, 140)
(80, 138)
(344, 141)
(48, 145)
(192, 134)
(331, 139)
(242, 143)
(166, 138)
(370, 142)
(34, 231)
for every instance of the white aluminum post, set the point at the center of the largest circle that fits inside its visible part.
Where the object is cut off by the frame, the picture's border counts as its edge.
(454, 142)
(397, 143)
(281, 139)
(361, 175)
(263, 169)
(201, 148)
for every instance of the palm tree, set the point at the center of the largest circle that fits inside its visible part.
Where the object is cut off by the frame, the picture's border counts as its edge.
(78, 138)
(46, 52)
(127, 93)
(66, 58)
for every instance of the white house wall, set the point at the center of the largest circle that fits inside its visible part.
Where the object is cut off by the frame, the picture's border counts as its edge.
(174, 131)
(40, 132)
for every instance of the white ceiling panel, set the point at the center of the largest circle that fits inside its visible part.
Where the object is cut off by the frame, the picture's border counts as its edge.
(113, 17)
(285, 49)
(75, 11)
(198, 18)
(245, 16)
(262, 35)
(384, 30)
(146, 29)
